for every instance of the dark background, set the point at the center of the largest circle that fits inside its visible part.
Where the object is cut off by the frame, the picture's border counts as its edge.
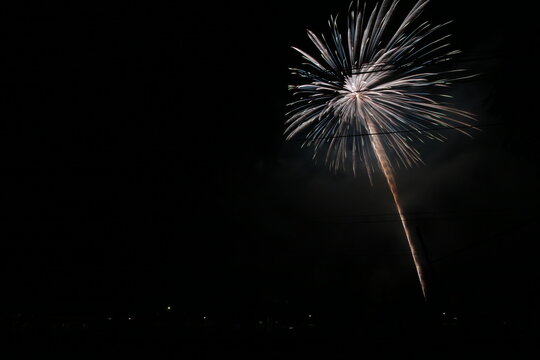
(143, 166)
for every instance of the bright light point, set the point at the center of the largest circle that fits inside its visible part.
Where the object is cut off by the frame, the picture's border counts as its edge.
(204, 317)
(168, 308)
(309, 316)
(291, 327)
(444, 313)
(129, 318)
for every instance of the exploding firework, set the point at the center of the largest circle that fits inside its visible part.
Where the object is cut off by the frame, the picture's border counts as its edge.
(370, 93)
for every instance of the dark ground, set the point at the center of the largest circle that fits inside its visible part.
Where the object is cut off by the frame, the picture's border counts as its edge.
(414, 333)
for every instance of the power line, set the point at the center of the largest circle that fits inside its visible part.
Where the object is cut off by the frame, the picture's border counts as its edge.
(383, 67)
(407, 219)
(409, 216)
(438, 128)
(485, 240)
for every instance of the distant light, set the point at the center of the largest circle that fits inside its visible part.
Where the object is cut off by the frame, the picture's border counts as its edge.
(260, 322)
(309, 315)
(291, 327)
(168, 308)
(109, 318)
(455, 317)
(444, 313)
(204, 317)
(129, 318)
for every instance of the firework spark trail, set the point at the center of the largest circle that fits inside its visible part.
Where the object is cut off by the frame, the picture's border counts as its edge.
(382, 158)
(367, 81)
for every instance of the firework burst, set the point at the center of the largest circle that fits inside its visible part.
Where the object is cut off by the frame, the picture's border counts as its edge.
(369, 94)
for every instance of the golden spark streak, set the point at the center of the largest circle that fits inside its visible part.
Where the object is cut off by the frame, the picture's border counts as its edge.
(384, 163)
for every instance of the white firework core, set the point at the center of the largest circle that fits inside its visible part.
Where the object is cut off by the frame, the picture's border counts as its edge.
(354, 84)
(369, 95)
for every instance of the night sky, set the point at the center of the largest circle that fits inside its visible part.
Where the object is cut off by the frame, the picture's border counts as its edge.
(143, 164)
